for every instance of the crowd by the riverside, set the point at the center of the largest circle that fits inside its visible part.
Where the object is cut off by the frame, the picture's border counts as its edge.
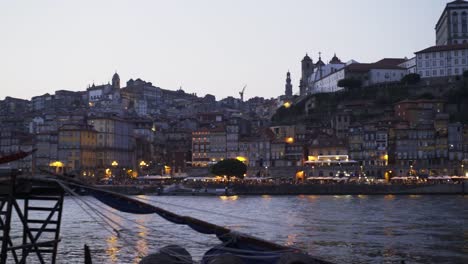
(205, 183)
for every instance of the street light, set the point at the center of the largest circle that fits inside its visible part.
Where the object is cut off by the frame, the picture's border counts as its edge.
(143, 164)
(114, 165)
(58, 165)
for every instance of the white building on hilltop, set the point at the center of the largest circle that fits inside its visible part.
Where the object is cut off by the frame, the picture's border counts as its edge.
(384, 71)
(452, 26)
(442, 61)
(323, 69)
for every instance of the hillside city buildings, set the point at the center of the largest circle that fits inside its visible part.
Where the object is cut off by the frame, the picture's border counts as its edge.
(134, 128)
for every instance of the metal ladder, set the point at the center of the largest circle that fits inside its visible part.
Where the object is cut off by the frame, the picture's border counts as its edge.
(43, 222)
(40, 218)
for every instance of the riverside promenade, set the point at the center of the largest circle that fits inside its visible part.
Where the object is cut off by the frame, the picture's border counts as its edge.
(312, 189)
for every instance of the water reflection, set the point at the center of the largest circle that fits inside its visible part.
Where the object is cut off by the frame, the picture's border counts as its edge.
(291, 240)
(340, 229)
(229, 198)
(388, 231)
(112, 248)
(142, 243)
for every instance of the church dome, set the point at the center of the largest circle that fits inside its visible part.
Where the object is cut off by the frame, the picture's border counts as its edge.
(320, 63)
(335, 60)
(307, 58)
(116, 76)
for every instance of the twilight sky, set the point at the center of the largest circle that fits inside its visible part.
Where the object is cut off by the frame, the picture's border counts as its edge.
(205, 46)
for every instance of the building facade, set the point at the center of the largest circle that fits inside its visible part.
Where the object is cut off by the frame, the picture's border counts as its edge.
(442, 61)
(77, 149)
(115, 142)
(387, 70)
(452, 26)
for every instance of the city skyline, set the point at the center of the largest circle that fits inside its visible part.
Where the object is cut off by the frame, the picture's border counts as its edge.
(207, 47)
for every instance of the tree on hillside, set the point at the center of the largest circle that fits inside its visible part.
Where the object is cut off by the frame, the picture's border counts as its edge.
(230, 168)
(412, 78)
(465, 74)
(349, 83)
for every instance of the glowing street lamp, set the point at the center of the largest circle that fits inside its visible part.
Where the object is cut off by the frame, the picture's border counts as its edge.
(57, 164)
(114, 165)
(385, 158)
(241, 158)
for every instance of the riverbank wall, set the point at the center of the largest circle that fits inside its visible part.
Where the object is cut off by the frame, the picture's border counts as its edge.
(353, 189)
(315, 189)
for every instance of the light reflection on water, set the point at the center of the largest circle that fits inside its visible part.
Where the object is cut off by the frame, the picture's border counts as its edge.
(341, 229)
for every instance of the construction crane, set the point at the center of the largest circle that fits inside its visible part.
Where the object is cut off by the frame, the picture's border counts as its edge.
(242, 93)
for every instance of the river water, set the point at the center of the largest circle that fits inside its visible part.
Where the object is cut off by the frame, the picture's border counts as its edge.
(340, 229)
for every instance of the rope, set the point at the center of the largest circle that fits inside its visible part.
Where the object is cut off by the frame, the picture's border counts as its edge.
(183, 258)
(272, 223)
(94, 218)
(214, 213)
(151, 228)
(222, 246)
(99, 214)
(238, 252)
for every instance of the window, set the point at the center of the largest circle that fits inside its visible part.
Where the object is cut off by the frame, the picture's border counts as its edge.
(455, 22)
(441, 72)
(456, 61)
(464, 21)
